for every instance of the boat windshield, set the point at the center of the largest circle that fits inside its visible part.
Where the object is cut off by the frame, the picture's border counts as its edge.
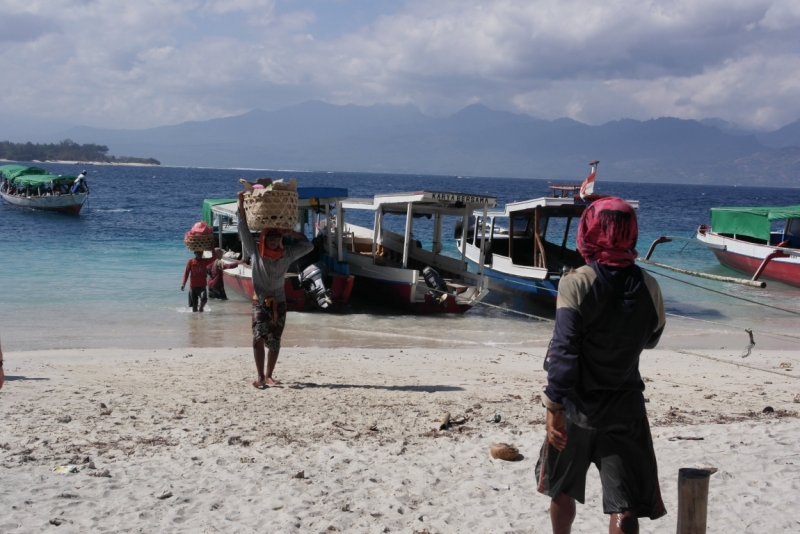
(791, 233)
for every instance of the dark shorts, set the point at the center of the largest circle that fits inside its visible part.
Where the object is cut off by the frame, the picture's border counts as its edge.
(624, 456)
(268, 325)
(197, 296)
(217, 293)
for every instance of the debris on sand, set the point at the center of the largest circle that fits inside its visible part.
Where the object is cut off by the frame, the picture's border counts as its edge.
(65, 469)
(504, 451)
(444, 422)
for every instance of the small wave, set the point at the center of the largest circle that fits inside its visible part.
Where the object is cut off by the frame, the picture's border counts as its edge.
(187, 309)
(115, 210)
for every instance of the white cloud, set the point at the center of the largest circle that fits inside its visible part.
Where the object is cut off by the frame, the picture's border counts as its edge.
(137, 64)
(246, 6)
(743, 91)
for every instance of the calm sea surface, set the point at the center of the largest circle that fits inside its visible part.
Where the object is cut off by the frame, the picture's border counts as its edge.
(111, 277)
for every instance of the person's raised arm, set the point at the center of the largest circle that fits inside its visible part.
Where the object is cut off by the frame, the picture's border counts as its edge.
(298, 236)
(302, 247)
(248, 243)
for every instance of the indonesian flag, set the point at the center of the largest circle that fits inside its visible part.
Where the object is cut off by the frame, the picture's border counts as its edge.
(587, 188)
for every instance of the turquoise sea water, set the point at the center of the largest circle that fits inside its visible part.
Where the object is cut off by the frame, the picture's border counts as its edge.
(111, 276)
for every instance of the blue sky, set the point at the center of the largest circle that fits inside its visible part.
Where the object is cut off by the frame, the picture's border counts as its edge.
(125, 64)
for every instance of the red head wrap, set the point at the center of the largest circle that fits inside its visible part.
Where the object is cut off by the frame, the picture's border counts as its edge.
(608, 232)
(264, 250)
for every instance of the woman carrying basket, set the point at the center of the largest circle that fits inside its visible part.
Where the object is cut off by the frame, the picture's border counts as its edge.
(270, 262)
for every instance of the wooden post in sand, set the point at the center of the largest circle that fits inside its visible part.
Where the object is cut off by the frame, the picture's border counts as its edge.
(692, 500)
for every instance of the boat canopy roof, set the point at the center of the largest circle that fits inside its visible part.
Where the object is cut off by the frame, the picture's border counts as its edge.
(210, 203)
(423, 202)
(307, 197)
(752, 222)
(22, 176)
(550, 207)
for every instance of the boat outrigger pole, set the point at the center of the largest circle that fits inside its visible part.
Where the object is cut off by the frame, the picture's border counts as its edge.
(731, 279)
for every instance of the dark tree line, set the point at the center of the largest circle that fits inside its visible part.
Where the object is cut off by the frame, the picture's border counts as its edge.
(66, 150)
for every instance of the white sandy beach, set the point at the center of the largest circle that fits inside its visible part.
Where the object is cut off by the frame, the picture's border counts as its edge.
(358, 425)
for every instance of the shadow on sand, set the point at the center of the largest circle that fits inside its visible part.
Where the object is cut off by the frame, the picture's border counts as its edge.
(420, 389)
(13, 378)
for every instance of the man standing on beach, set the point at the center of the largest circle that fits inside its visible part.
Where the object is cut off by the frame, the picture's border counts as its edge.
(607, 312)
(270, 262)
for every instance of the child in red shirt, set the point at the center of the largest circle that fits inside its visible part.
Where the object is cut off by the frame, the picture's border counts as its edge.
(196, 267)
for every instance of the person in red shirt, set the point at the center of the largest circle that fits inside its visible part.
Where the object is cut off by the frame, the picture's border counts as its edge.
(197, 268)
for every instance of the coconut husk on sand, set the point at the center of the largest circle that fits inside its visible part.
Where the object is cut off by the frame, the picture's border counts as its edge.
(504, 451)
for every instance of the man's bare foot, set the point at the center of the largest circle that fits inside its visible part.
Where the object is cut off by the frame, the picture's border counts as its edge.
(259, 384)
(272, 382)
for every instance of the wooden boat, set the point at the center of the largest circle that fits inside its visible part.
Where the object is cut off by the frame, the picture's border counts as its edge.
(394, 269)
(742, 239)
(530, 244)
(316, 281)
(37, 189)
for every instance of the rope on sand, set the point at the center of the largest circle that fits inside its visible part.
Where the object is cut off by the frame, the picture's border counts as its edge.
(721, 293)
(749, 331)
(713, 358)
(503, 308)
(763, 332)
(529, 315)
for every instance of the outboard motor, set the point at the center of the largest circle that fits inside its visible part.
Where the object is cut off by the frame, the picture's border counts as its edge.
(435, 281)
(312, 280)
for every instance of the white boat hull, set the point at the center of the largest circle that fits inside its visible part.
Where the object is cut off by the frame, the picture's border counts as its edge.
(405, 287)
(59, 203)
(747, 257)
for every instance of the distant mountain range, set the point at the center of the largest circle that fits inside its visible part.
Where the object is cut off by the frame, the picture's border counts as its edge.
(475, 141)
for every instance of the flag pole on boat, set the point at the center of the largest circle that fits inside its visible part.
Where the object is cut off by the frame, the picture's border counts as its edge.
(587, 187)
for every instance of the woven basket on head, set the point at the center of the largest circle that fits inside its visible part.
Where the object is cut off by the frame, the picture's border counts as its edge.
(197, 242)
(270, 209)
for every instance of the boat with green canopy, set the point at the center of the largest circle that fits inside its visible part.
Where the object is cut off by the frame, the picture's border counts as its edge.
(36, 188)
(761, 242)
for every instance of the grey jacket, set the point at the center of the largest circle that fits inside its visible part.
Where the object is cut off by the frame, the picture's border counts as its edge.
(269, 275)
